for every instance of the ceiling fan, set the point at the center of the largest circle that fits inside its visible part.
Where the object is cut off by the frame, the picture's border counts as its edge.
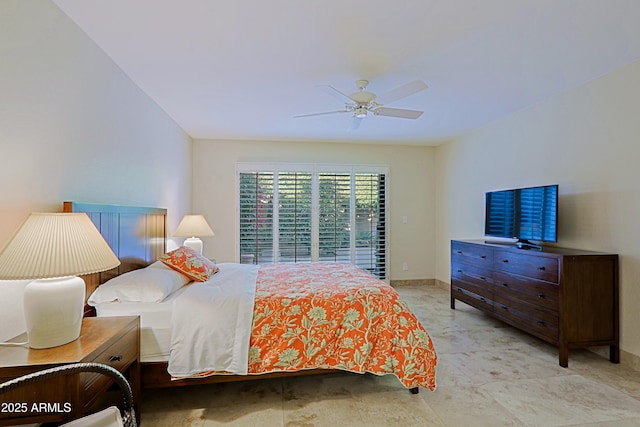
(362, 102)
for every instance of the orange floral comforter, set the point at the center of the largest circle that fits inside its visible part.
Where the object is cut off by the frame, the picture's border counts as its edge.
(336, 316)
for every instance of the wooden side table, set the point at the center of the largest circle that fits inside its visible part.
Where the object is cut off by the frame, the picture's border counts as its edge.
(114, 341)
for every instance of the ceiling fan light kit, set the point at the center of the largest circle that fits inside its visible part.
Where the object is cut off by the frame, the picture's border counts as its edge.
(360, 112)
(362, 102)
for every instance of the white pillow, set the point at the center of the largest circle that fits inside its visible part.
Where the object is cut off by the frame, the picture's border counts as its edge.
(109, 417)
(151, 284)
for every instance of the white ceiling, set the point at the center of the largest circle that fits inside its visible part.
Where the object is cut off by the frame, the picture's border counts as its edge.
(241, 69)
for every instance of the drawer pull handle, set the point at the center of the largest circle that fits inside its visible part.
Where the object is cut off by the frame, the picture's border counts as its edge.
(459, 252)
(115, 358)
(541, 322)
(505, 308)
(483, 257)
(459, 270)
(506, 261)
(541, 296)
(506, 285)
(541, 268)
(482, 299)
(483, 278)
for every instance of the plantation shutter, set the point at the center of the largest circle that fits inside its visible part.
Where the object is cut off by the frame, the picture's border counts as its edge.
(334, 227)
(294, 216)
(256, 217)
(313, 215)
(370, 222)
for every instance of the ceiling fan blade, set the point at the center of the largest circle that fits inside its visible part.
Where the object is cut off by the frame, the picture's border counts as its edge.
(321, 114)
(402, 92)
(335, 92)
(398, 112)
(355, 123)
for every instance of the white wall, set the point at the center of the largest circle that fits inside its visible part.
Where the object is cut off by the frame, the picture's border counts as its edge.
(73, 126)
(588, 142)
(411, 180)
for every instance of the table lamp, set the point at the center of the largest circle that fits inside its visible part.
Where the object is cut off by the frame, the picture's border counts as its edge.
(192, 226)
(54, 248)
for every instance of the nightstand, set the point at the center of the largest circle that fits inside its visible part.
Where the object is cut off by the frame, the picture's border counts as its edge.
(114, 341)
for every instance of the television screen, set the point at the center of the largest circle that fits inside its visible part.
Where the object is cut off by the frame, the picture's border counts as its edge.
(523, 213)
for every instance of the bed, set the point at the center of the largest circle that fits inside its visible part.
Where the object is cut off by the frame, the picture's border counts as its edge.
(303, 318)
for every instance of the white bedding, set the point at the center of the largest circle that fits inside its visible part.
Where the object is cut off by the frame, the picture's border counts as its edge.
(155, 324)
(169, 329)
(152, 314)
(211, 323)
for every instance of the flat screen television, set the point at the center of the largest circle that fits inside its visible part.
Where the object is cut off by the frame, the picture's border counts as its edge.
(525, 214)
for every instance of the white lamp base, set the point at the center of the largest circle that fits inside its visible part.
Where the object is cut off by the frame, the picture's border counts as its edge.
(53, 310)
(194, 243)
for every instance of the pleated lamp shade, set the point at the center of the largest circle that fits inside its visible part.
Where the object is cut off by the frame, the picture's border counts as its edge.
(54, 248)
(56, 245)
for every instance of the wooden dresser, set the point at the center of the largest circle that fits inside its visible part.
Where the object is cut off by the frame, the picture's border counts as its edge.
(567, 297)
(114, 341)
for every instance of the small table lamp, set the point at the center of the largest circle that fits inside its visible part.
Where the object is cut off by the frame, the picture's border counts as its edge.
(54, 248)
(192, 226)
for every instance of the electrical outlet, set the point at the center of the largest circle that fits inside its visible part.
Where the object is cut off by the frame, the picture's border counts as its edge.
(405, 265)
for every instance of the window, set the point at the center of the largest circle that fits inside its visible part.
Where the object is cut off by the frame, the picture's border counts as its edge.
(304, 213)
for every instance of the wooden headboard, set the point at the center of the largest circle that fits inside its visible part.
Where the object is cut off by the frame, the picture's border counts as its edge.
(137, 235)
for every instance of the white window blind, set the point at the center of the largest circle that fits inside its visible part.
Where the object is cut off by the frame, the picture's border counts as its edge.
(256, 217)
(370, 223)
(304, 213)
(294, 216)
(334, 228)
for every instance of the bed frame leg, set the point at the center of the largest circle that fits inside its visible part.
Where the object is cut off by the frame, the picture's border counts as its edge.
(414, 390)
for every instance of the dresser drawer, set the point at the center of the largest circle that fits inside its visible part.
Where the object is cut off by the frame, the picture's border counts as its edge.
(536, 292)
(119, 356)
(480, 277)
(461, 292)
(471, 254)
(537, 267)
(510, 302)
(537, 322)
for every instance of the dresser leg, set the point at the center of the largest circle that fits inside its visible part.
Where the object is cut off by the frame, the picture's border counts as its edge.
(453, 302)
(614, 354)
(564, 356)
